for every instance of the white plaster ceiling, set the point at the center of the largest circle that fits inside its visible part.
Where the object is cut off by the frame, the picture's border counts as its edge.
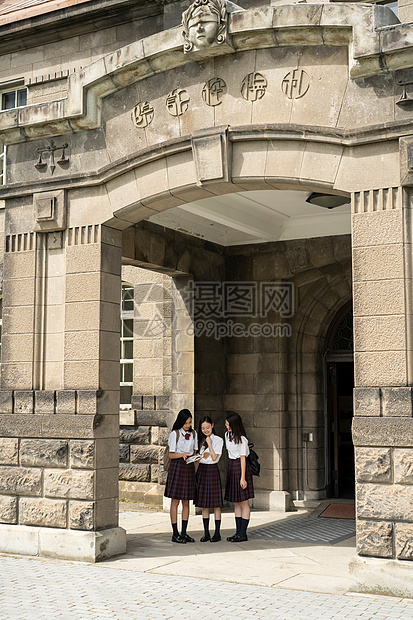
(256, 217)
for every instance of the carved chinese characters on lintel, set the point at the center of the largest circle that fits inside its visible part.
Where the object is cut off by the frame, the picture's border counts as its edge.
(142, 114)
(295, 84)
(205, 25)
(177, 102)
(214, 91)
(253, 88)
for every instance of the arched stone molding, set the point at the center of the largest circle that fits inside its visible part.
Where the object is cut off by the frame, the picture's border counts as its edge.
(324, 295)
(158, 182)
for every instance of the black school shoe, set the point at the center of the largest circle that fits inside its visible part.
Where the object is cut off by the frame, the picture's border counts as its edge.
(237, 539)
(231, 538)
(205, 538)
(178, 539)
(187, 538)
(216, 538)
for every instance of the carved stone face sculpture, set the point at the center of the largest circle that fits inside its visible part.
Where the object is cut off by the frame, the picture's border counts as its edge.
(203, 28)
(204, 24)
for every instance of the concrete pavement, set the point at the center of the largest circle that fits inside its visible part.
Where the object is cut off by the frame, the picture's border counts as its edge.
(297, 565)
(157, 579)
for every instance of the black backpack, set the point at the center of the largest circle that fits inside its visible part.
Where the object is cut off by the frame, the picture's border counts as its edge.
(252, 459)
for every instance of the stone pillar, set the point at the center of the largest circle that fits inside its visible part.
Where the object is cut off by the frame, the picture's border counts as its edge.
(383, 423)
(59, 403)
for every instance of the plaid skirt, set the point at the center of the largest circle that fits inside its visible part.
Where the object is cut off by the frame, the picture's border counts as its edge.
(208, 493)
(180, 483)
(233, 491)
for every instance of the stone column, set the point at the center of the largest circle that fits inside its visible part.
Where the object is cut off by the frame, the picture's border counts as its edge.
(383, 423)
(59, 403)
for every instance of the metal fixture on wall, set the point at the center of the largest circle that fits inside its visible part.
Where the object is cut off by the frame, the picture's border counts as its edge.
(328, 201)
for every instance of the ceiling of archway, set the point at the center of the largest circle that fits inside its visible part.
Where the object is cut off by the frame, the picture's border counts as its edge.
(256, 217)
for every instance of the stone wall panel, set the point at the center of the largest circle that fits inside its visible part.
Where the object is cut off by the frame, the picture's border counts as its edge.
(9, 451)
(151, 418)
(155, 473)
(404, 541)
(43, 453)
(163, 436)
(140, 435)
(8, 509)
(145, 454)
(23, 402)
(124, 454)
(20, 481)
(389, 431)
(373, 464)
(384, 501)
(66, 401)
(137, 473)
(6, 401)
(43, 512)
(81, 515)
(375, 539)
(82, 454)
(397, 401)
(403, 466)
(44, 401)
(73, 484)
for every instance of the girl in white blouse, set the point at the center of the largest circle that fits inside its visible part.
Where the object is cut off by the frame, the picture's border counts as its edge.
(239, 486)
(180, 483)
(208, 492)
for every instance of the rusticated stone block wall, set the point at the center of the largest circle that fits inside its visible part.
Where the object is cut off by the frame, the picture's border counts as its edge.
(384, 473)
(58, 471)
(48, 482)
(142, 441)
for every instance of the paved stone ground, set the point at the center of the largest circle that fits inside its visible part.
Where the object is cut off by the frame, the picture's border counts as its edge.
(38, 589)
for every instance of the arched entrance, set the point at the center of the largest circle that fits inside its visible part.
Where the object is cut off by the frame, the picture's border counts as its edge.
(339, 396)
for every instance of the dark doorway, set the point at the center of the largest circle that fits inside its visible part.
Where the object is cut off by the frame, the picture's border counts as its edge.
(340, 413)
(340, 384)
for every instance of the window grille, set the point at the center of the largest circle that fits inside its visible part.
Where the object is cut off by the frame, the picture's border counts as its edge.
(3, 166)
(126, 345)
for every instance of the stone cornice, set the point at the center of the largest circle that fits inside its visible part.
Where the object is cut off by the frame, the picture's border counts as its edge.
(375, 46)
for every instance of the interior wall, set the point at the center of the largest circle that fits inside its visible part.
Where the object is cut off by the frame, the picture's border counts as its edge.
(276, 383)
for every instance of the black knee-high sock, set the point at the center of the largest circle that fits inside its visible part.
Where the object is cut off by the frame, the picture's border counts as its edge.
(238, 521)
(175, 529)
(244, 525)
(217, 527)
(184, 526)
(206, 526)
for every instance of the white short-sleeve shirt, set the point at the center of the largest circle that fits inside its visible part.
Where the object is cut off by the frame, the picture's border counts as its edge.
(183, 445)
(217, 445)
(235, 450)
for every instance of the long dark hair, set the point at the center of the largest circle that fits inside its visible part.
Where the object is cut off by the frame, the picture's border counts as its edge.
(201, 436)
(181, 418)
(237, 428)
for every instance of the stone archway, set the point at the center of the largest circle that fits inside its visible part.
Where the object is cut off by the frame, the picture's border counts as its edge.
(59, 428)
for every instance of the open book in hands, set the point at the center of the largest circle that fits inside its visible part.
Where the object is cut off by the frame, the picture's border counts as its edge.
(195, 457)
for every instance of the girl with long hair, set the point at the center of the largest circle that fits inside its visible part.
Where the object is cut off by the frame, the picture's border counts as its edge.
(239, 486)
(208, 492)
(180, 483)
